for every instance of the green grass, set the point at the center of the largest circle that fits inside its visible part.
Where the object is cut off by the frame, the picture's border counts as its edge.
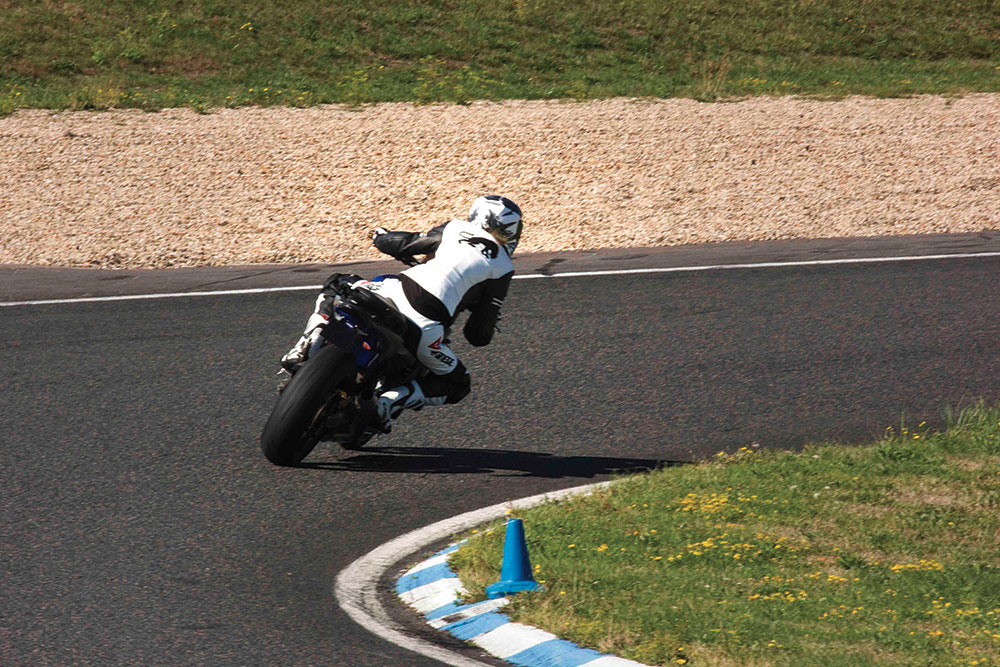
(92, 54)
(878, 555)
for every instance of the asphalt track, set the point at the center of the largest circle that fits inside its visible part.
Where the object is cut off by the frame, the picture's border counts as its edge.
(140, 524)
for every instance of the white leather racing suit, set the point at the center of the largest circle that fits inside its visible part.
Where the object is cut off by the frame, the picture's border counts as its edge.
(467, 270)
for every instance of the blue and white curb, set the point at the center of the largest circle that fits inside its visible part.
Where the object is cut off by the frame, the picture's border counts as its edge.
(358, 591)
(434, 590)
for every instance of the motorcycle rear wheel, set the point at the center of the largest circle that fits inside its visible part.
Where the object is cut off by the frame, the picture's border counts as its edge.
(297, 420)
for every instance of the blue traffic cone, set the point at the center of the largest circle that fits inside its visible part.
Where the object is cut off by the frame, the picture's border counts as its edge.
(515, 573)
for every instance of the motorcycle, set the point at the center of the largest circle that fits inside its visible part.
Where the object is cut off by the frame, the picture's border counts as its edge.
(331, 395)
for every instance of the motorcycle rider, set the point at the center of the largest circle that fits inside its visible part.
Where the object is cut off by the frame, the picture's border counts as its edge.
(469, 267)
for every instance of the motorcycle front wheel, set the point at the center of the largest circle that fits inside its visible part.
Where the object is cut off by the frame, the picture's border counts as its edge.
(298, 418)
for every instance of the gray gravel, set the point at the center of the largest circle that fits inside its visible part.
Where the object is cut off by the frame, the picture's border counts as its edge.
(127, 189)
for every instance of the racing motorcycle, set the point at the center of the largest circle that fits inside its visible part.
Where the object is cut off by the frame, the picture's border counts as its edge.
(331, 395)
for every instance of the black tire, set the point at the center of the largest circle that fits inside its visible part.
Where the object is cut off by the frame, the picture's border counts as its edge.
(292, 430)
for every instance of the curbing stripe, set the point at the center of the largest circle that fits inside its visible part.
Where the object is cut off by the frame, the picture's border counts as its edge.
(423, 577)
(611, 661)
(512, 638)
(475, 626)
(555, 653)
(450, 610)
(454, 612)
(437, 599)
(442, 557)
(433, 595)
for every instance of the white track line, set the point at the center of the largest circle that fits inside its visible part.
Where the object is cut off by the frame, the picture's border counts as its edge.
(529, 276)
(166, 295)
(758, 265)
(357, 584)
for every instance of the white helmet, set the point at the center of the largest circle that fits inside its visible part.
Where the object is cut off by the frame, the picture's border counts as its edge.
(500, 217)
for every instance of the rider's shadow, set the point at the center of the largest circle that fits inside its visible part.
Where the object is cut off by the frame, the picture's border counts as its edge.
(485, 461)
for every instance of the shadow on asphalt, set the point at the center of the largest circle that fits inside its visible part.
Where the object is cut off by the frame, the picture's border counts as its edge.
(485, 461)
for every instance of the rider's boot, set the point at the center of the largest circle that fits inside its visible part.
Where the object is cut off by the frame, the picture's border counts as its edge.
(391, 404)
(300, 350)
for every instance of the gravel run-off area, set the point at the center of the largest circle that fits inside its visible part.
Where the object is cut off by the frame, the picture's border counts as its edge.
(129, 189)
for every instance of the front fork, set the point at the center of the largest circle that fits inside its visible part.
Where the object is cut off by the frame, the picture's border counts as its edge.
(318, 342)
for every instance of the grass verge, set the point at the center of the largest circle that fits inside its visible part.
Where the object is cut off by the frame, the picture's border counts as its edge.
(97, 54)
(879, 555)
